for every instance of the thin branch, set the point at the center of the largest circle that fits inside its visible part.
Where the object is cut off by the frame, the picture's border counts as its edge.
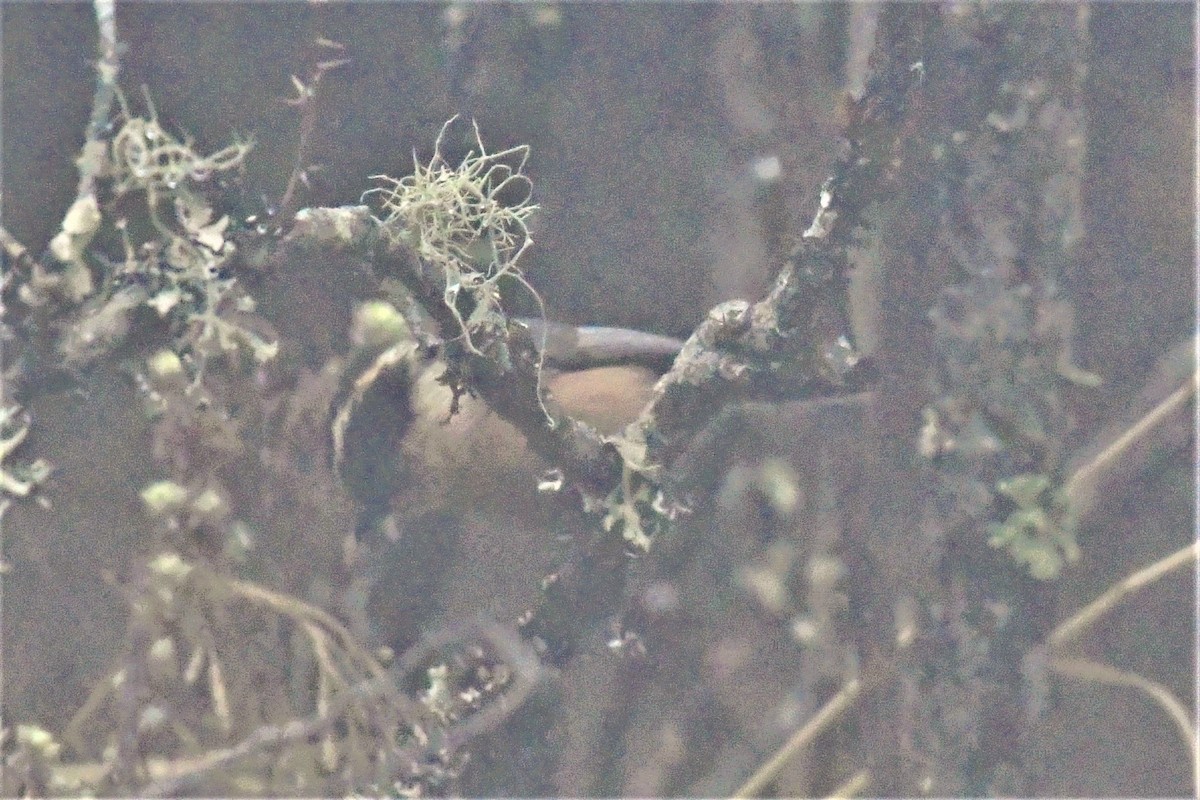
(1102, 673)
(107, 69)
(520, 658)
(183, 774)
(1082, 487)
(739, 350)
(297, 609)
(853, 786)
(1106, 602)
(801, 739)
(134, 689)
(306, 101)
(797, 340)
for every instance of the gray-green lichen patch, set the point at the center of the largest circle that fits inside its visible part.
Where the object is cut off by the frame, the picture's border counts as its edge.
(1039, 532)
(163, 248)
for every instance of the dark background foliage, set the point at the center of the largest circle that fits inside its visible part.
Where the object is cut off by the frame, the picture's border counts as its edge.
(644, 122)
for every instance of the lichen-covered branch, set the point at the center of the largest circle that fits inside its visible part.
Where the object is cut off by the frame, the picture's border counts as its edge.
(796, 342)
(71, 278)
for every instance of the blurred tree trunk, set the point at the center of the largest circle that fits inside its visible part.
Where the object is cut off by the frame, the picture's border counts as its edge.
(984, 224)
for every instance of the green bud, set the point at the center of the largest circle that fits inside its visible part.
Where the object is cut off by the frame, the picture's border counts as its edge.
(166, 370)
(209, 504)
(377, 323)
(163, 497)
(170, 565)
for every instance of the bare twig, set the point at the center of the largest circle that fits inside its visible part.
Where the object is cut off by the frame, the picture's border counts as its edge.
(1102, 673)
(739, 350)
(184, 774)
(1082, 488)
(82, 218)
(841, 701)
(134, 688)
(1139, 580)
(299, 610)
(107, 69)
(1077, 668)
(306, 101)
(798, 336)
(853, 785)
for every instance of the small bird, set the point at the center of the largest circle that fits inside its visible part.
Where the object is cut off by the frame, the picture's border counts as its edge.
(449, 516)
(393, 433)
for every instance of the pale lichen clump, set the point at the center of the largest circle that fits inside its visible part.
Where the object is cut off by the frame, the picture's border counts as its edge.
(637, 507)
(469, 221)
(180, 269)
(186, 262)
(465, 220)
(146, 156)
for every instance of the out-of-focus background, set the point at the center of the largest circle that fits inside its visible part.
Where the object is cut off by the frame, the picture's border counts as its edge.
(676, 152)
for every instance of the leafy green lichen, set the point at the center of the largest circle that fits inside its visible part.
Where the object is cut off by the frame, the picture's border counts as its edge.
(1039, 533)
